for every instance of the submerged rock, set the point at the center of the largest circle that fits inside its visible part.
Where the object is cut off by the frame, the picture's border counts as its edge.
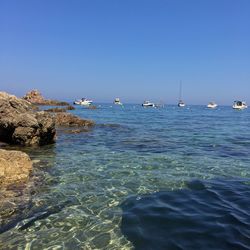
(19, 124)
(69, 120)
(15, 167)
(35, 97)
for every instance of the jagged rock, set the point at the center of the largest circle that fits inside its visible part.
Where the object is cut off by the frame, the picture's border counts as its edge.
(15, 167)
(35, 97)
(19, 124)
(10, 104)
(69, 120)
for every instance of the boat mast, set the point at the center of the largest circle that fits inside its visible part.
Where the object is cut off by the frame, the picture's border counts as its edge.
(180, 94)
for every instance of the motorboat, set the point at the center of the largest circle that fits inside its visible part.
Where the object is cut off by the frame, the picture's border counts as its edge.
(83, 101)
(181, 104)
(239, 105)
(117, 101)
(212, 105)
(148, 104)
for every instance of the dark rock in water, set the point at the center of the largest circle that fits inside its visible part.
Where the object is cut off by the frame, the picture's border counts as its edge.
(208, 215)
(19, 124)
(69, 120)
(35, 97)
(56, 110)
(70, 107)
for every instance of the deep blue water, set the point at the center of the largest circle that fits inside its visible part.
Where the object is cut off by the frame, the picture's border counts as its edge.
(167, 178)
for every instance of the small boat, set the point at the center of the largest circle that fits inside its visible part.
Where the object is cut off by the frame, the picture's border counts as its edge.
(181, 103)
(212, 105)
(117, 101)
(83, 101)
(239, 105)
(148, 104)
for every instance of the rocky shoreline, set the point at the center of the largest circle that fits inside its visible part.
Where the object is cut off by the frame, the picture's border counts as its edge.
(24, 125)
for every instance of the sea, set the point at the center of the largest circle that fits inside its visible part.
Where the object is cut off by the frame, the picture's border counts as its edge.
(141, 178)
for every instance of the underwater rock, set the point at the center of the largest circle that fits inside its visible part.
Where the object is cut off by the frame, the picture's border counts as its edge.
(15, 166)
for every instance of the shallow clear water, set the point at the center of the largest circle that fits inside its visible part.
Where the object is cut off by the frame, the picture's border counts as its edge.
(132, 151)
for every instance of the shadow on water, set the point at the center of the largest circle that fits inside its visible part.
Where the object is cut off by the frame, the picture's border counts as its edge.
(211, 214)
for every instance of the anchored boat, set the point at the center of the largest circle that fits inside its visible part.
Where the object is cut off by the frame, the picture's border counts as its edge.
(148, 104)
(239, 105)
(83, 101)
(117, 101)
(212, 105)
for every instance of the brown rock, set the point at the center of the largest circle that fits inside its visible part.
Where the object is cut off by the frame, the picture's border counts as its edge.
(35, 97)
(70, 107)
(19, 124)
(69, 120)
(56, 110)
(15, 167)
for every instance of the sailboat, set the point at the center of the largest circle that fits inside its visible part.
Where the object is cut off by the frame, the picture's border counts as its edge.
(181, 103)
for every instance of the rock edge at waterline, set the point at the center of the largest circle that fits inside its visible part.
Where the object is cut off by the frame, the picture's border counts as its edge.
(21, 125)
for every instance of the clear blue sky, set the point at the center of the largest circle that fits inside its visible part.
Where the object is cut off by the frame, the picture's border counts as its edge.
(132, 49)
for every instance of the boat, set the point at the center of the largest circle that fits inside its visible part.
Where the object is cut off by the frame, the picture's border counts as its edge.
(181, 103)
(117, 101)
(212, 105)
(148, 104)
(83, 101)
(239, 105)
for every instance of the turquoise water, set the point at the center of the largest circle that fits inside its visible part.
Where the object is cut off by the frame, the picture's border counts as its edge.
(81, 182)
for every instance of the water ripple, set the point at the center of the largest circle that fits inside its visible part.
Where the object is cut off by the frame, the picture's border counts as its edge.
(211, 214)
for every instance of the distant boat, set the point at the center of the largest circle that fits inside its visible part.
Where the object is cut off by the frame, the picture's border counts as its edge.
(148, 104)
(181, 103)
(83, 101)
(117, 101)
(212, 105)
(239, 105)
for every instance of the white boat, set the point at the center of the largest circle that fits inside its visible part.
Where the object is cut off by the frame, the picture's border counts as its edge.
(83, 101)
(117, 101)
(239, 105)
(212, 105)
(181, 103)
(148, 104)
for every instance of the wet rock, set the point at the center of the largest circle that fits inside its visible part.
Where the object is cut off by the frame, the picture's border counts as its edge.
(15, 167)
(56, 110)
(19, 124)
(69, 120)
(35, 97)
(70, 107)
